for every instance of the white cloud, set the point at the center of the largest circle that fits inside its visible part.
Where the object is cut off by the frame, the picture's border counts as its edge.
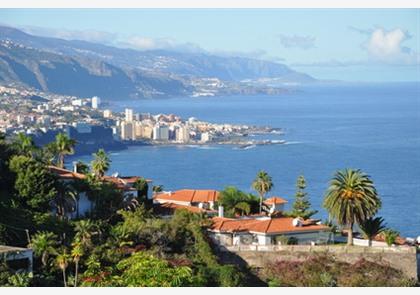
(296, 41)
(85, 35)
(146, 43)
(387, 47)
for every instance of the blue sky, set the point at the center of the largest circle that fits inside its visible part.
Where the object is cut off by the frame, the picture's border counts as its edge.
(345, 44)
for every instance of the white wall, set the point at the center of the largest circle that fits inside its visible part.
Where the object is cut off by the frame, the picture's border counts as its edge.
(279, 207)
(264, 240)
(363, 242)
(160, 201)
(308, 237)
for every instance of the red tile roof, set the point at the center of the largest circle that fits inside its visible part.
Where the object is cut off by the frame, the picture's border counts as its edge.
(275, 200)
(121, 182)
(66, 174)
(191, 196)
(172, 207)
(267, 226)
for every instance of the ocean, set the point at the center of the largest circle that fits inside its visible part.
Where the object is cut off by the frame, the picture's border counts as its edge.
(370, 126)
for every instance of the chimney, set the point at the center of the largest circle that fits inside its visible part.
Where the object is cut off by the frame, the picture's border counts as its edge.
(297, 222)
(221, 213)
(75, 167)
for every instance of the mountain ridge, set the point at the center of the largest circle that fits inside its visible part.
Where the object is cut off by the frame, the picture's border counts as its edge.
(40, 61)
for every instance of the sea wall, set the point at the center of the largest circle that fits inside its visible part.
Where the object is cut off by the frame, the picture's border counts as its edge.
(401, 258)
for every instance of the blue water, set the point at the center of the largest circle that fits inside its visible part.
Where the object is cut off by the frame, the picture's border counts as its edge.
(374, 127)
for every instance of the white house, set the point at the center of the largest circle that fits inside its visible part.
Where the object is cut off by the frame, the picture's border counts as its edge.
(17, 258)
(84, 205)
(275, 204)
(264, 230)
(203, 199)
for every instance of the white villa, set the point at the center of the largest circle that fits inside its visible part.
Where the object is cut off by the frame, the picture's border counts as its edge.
(84, 205)
(264, 230)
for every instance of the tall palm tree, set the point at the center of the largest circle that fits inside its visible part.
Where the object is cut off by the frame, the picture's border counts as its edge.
(85, 229)
(351, 198)
(66, 201)
(24, 144)
(142, 187)
(62, 261)
(64, 146)
(262, 184)
(43, 244)
(76, 253)
(372, 227)
(100, 163)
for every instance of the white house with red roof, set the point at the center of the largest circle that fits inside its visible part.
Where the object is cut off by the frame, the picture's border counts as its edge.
(275, 204)
(84, 205)
(203, 199)
(264, 230)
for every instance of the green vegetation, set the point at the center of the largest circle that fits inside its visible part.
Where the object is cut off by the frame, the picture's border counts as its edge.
(351, 198)
(372, 227)
(284, 240)
(301, 205)
(262, 184)
(63, 146)
(390, 236)
(236, 202)
(100, 164)
(121, 242)
(324, 271)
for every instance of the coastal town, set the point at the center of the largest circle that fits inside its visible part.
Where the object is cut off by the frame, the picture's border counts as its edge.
(37, 113)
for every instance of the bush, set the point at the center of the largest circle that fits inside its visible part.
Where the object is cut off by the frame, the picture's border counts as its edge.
(323, 270)
(390, 236)
(284, 240)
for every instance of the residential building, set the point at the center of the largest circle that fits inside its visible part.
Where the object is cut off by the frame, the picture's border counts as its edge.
(96, 101)
(77, 102)
(160, 132)
(275, 204)
(17, 258)
(206, 137)
(84, 205)
(128, 115)
(182, 134)
(203, 199)
(127, 131)
(265, 231)
(107, 114)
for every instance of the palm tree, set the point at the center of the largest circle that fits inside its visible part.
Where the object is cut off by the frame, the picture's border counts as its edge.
(100, 163)
(351, 197)
(85, 229)
(64, 146)
(62, 261)
(243, 208)
(142, 187)
(157, 189)
(371, 227)
(390, 236)
(23, 144)
(43, 244)
(66, 201)
(262, 184)
(76, 253)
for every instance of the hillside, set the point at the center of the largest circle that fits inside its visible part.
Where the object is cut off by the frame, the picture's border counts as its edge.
(84, 69)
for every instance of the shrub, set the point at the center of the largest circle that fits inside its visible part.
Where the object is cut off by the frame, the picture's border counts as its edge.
(323, 270)
(390, 236)
(284, 240)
